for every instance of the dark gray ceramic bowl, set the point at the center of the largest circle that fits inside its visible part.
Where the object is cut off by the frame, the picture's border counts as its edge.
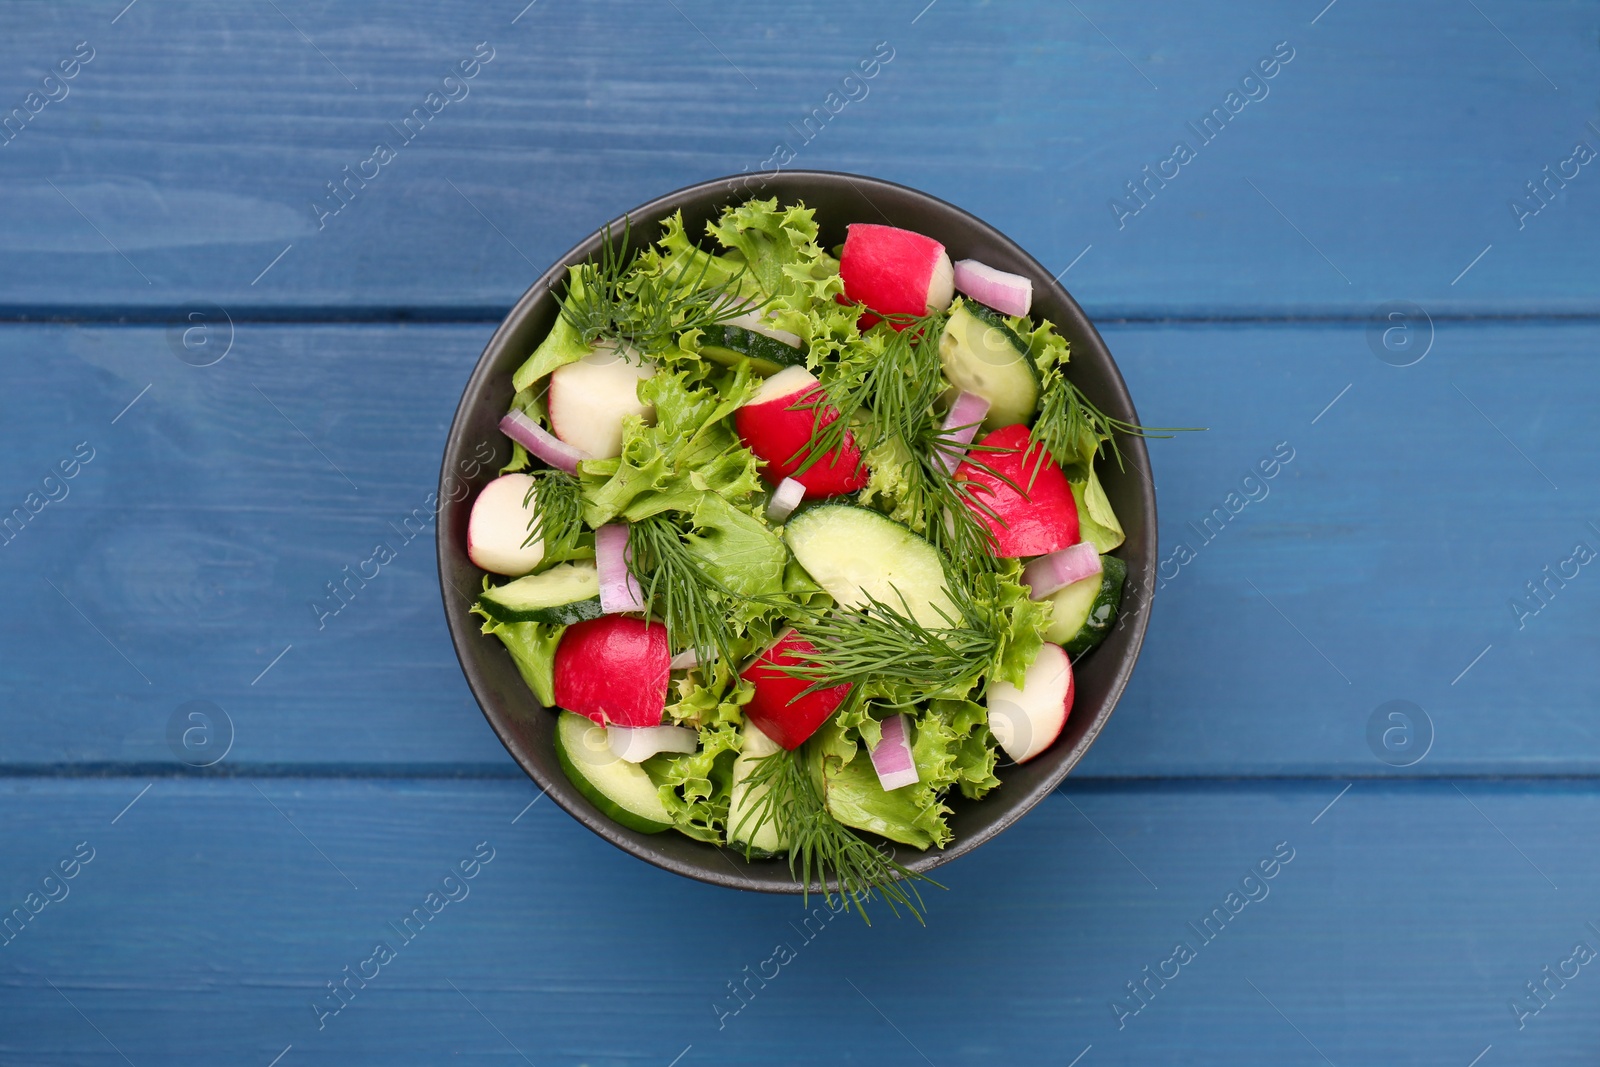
(527, 729)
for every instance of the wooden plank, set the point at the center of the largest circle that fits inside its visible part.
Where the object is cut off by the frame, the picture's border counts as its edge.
(1408, 919)
(196, 540)
(1380, 163)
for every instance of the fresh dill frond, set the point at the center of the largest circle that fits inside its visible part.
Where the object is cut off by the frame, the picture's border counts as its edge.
(1073, 430)
(557, 502)
(820, 846)
(694, 605)
(612, 300)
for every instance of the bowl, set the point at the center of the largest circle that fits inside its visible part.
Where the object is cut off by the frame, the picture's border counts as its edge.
(527, 728)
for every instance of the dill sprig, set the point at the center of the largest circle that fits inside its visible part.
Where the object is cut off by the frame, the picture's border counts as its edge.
(1073, 430)
(885, 646)
(694, 605)
(648, 310)
(557, 501)
(820, 847)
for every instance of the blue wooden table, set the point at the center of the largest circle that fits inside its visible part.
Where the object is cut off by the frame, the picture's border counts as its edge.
(250, 253)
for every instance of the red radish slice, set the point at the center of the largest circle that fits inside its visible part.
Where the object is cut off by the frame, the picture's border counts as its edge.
(776, 427)
(590, 398)
(1009, 294)
(1027, 721)
(1036, 517)
(894, 271)
(619, 590)
(960, 427)
(1053, 573)
(499, 524)
(892, 758)
(613, 670)
(541, 443)
(638, 743)
(776, 707)
(785, 499)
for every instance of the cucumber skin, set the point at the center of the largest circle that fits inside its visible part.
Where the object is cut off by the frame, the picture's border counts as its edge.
(559, 615)
(991, 317)
(602, 803)
(1113, 572)
(728, 345)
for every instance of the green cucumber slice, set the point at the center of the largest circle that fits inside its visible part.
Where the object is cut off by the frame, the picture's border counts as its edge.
(983, 355)
(853, 551)
(621, 790)
(1085, 611)
(745, 833)
(727, 344)
(564, 594)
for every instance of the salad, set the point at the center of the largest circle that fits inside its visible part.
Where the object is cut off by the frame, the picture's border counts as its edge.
(801, 542)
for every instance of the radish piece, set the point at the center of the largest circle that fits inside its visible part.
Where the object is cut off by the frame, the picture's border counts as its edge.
(613, 670)
(1026, 721)
(1009, 294)
(638, 743)
(1053, 573)
(590, 398)
(755, 323)
(1041, 517)
(499, 525)
(785, 499)
(892, 758)
(619, 590)
(775, 426)
(541, 443)
(894, 271)
(960, 427)
(688, 660)
(776, 707)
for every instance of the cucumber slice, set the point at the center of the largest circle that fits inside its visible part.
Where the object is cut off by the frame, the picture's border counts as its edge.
(564, 594)
(745, 833)
(621, 790)
(728, 344)
(852, 551)
(1085, 611)
(983, 355)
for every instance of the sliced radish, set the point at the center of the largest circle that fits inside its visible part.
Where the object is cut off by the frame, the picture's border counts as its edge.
(776, 427)
(892, 757)
(590, 398)
(1026, 721)
(960, 427)
(776, 706)
(613, 670)
(540, 443)
(638, 743)
(1009, 294)
(1039, 515)
(756, 323)
(1053, 573)
(895, 271)
(785, 499)
(619, 589)
(499, 525)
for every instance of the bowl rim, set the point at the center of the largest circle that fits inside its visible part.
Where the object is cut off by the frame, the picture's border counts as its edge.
(463, 627)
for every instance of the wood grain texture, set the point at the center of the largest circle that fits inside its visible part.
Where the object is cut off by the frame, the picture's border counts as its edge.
(197, 539)
(206, 925)
(1381, 161)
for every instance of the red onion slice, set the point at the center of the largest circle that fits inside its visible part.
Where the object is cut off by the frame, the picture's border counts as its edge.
(1052, 573)
(1009, 294)
(541, 443)
(892, 758)
(638, 743)
(785, 499)
(960, 427)
(619, 590)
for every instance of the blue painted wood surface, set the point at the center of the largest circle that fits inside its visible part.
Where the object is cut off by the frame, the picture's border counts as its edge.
(175, 174)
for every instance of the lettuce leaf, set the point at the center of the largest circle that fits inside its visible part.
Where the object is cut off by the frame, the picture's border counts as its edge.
(1097, 523)
(1046, 347)
(562, 345)
(533, 649)
(1020, 621)
(695, 787)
